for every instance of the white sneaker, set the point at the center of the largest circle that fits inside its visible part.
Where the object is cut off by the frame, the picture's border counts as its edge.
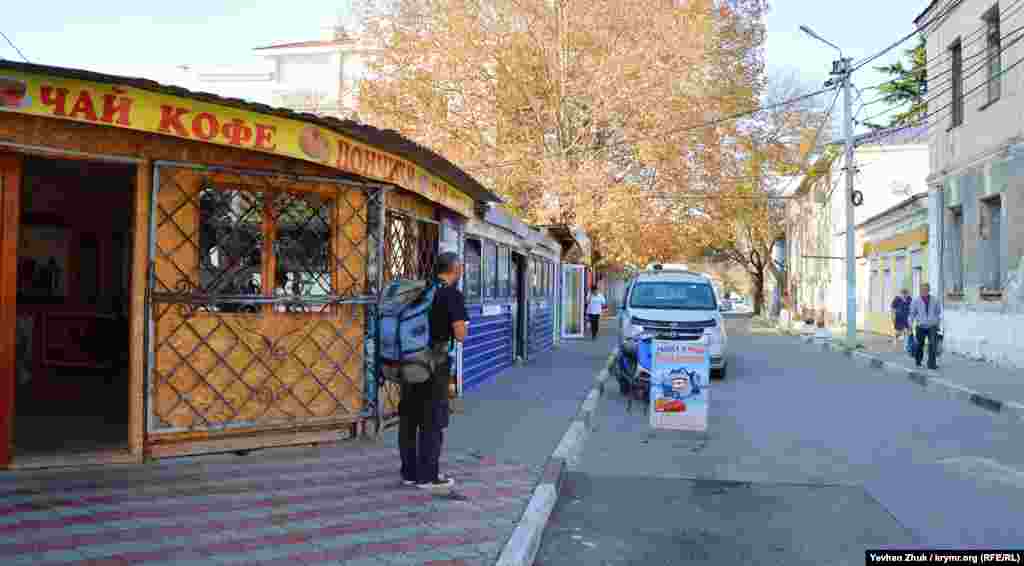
(442, 484)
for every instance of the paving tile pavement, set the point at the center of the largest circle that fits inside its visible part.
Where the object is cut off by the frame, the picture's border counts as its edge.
(297, 506)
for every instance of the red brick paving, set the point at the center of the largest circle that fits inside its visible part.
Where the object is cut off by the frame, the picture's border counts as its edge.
(333, 512)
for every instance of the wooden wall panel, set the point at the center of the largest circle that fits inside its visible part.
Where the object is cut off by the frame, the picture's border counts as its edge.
(137, 309)
(271, 369)
(10, 176)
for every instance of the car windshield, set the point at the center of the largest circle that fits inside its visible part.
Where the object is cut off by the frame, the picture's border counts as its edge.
(673, 295)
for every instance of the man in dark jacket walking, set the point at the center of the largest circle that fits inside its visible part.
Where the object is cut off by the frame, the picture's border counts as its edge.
(424, 410)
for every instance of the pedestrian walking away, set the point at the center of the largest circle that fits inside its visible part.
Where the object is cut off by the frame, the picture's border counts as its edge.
(595, 308)
(926, 312)
(901, 314)
(423, 409)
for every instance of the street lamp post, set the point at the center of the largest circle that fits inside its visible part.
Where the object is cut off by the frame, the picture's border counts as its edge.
(841, 69)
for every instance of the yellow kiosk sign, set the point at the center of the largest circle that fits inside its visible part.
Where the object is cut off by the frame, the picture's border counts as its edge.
(137, 109)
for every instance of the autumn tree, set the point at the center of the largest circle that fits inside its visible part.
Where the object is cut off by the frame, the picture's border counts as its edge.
(574, 111)
(743, 215)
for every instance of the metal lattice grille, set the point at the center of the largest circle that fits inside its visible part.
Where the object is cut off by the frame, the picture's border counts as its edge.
(231, 349)
(410, 247)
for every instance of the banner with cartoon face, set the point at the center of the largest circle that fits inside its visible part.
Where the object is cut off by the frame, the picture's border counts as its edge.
(680, 380)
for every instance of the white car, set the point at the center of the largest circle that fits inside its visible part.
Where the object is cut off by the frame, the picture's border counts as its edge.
(676, 305)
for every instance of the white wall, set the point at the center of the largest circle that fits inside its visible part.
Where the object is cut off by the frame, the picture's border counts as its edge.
(881, 170)
(983, 129)
(992, 335)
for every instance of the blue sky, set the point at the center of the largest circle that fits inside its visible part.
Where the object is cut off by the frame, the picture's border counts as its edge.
(124, 37)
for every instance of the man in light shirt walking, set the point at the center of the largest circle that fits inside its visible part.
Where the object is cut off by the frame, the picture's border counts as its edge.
(926, 311)
(595, 307)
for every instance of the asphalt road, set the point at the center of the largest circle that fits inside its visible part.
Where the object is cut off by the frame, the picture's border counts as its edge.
(808, 460)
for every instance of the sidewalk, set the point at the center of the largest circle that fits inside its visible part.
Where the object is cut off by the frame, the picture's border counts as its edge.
(996, 389)
(332, 504)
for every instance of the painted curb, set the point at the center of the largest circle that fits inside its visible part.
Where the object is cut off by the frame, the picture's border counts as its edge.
(521, 548)
(1013, 411)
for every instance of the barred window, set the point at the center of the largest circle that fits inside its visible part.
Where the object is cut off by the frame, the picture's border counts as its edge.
(231, 246)
(410, 247)
(302, 247)
(472, 272)
(490, 269)
(504, 274)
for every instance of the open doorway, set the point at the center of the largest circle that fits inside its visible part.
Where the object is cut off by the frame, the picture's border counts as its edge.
(520, 296)
(73, 277)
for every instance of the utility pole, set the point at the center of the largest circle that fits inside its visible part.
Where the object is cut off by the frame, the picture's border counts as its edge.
(842, 68)
(843, 71)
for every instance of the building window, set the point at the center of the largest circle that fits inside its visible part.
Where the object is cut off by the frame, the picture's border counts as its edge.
(302, 248)
(956, 252)
(513, 277)
(504, 275)
(472, 281)
(886, 291)
(990, 234)
(872, 292)
(956, 55)
(410, 247)
(993, 48)
(490, 269)
(231, 246)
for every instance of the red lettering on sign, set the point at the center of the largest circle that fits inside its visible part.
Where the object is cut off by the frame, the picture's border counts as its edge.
(410, 175)
(371, 163)
(170, 119)
(396, 169)
(265, 136)
(383, 165)
(84, 106)
(355, 160)
(237, 132)
(343, 155)
(56, 97)
(121, 106)
(205, 126)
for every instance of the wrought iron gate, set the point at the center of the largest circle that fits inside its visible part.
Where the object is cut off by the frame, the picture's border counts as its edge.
(261, 288)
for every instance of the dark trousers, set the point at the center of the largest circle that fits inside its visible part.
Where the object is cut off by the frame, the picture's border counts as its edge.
(595, 324)
(929, 335)
(420, 446)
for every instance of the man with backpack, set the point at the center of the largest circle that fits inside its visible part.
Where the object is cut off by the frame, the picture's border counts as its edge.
(424, 410)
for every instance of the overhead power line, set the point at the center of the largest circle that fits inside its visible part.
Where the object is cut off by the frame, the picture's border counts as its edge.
(949, 8)
(670, 132)
(968, 73)
(11, 43)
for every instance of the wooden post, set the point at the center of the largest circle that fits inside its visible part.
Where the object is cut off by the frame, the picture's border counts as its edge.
(137, 310)
(10, 213)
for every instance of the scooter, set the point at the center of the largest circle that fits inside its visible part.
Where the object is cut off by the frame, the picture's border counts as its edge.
(633, 368)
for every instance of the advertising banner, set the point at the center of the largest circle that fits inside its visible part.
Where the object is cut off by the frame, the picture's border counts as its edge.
(136, 109)
(680, 380)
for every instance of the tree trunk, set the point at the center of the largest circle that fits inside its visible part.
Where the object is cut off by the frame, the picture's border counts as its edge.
(757, 280)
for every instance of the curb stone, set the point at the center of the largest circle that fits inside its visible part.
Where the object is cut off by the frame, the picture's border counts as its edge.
(1013, 411)
(521, 548)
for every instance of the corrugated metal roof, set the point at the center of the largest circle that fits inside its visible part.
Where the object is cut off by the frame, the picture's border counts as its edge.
(387, 140)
